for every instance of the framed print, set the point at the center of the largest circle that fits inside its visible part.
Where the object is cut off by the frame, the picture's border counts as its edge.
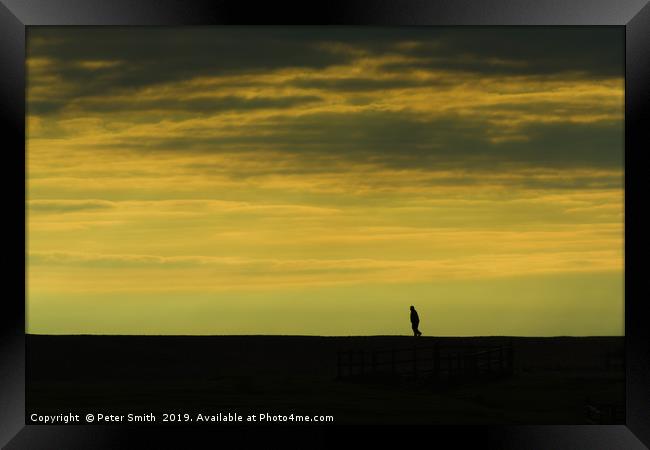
(272, 222)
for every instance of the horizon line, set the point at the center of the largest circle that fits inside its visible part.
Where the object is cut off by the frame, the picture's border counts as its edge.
(317, 336)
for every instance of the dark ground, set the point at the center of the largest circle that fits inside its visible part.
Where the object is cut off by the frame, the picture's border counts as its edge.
(553, 379)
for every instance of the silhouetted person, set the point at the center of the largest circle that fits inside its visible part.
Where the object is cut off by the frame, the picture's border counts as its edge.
(415, 322)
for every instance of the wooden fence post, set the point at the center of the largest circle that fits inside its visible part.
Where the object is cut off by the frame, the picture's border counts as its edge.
(502, 362)
(436, 361)
(471, 361)
(415, 363)
(338, 364)
(348, 364)
(511, 359)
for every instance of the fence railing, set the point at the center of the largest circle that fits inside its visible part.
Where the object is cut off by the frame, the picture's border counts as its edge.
(438, 362)
(605, 414)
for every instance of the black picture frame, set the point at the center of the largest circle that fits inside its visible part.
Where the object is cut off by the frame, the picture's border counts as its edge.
(16, 15)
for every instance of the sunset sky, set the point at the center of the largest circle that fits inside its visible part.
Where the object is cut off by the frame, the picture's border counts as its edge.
(319, 181)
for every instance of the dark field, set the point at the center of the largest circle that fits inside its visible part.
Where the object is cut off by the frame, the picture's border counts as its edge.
(553, 381)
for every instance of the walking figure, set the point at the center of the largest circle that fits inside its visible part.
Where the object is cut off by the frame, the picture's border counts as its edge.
(415, 322)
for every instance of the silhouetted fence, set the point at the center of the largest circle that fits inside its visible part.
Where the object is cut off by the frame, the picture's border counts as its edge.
(614, 361)
(605, 414)
(437, 362)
